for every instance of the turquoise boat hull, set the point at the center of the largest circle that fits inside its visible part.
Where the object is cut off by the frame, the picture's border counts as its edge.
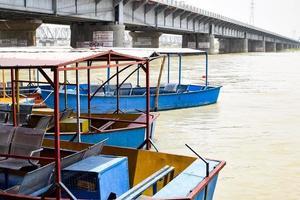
(186, 184)
(126, 137)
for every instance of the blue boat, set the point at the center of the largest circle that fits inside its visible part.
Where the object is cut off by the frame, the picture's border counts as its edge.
(185, 96)
(132, 99)
(123, 130)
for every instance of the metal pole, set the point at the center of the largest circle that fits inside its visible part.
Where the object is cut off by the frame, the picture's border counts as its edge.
(17, 85)
(78, 103)
(65, 88)
(13, 97)
(108, 71)
(206, 69)
(179, 63)
(3, 83)
(148, 143)
(38, 77)
(118, 94)
(29, 76)
(57, 133)
(169, 68)
(138, 78)
(89, 92)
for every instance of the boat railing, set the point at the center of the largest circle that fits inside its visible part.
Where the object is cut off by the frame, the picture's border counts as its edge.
(206, 166)
(201, 158)
(114, 119)
(166, 173)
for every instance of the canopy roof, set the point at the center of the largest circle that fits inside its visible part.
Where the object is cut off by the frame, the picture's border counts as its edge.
(51, 57)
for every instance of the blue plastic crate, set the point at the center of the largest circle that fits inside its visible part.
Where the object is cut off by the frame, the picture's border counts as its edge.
(97, 177)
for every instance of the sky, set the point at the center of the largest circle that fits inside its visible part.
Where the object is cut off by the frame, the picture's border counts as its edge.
(279, 16)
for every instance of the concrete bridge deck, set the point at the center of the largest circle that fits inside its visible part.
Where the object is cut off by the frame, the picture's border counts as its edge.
(104, 21)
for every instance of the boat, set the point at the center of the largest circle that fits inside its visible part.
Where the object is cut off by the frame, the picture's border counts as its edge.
(168, 96)
(135, 131)
(123, 130)
(29, 94)
(89, 170)
(36, 168)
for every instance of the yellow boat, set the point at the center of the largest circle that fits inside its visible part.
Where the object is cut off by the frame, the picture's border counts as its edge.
(8, 100)
(184, 176)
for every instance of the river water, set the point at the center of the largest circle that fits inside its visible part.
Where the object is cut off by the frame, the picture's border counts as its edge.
(254, 126)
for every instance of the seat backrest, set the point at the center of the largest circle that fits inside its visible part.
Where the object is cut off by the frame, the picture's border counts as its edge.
(126, 85)
(94, 150)
(171, 87)
(8, 84)
(4, 111)
(65, 114)
(26, 140)
(37, 179)
(6, 135)
(25, 111)
(123, 91)
(43, 123)
(94, 88)
(182, 88)
(73, 158)
(110, 88)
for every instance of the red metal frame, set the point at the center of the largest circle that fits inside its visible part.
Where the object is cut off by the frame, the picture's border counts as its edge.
(13, 97)
(101, 66)
(148, 142)
(57, 133)
(89, 63)
(110, 56)
(205, 181)
(27, 157)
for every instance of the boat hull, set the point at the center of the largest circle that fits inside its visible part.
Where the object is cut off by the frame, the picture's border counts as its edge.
(131, 138)
(197, 96)
(131, 134)
(189, 182)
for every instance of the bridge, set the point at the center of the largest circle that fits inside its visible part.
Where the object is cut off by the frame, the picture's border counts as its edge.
(103, 23)
(49, 35)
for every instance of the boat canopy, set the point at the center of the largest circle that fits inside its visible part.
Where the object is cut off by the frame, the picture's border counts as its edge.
(51, 57)
(67, 59)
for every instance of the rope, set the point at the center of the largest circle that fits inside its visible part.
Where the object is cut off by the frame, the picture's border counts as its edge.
(46, 98)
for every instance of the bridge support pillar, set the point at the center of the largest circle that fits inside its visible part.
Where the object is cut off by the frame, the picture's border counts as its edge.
(270, 47)
(141, 39)
(203, 42)
(190, 41)
(97, 34)
(279, 46)
(257, 46)
(18, 32)
(227, 45)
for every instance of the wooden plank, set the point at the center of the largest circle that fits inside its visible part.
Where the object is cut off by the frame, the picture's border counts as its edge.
(158, 83)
